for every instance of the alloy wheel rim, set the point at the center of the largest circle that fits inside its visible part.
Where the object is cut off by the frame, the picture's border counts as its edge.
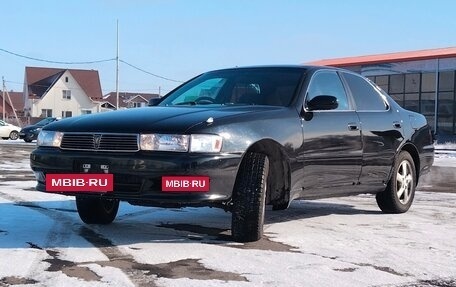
(404, 182)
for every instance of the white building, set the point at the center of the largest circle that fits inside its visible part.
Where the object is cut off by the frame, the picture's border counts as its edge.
(51, 92)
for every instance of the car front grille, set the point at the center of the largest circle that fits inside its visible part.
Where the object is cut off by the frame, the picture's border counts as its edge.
(100, 142)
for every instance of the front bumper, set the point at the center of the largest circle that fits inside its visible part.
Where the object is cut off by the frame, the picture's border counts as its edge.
(28, 135)
(137, 176)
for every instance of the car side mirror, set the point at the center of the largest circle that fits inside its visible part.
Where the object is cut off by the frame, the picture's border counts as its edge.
(322, 102)
(154, 101)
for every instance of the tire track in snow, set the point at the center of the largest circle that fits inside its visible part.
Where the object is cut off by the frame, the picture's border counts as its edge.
(140, 274)
(59, 234)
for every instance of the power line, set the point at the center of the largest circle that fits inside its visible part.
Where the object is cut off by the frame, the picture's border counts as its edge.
(89, 62)
(152, 74)
(145, 90)
(56, 62)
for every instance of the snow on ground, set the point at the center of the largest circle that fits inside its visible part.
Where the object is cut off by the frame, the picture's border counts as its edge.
(332, 242)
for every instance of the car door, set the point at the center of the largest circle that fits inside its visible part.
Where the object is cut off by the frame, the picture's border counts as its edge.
(332, 146)
(4, 130)
(381, 132)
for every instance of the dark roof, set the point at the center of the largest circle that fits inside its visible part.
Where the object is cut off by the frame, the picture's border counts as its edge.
(125, 97)
(16, 98)
(8, 108)
(40, 80)
(388, 58)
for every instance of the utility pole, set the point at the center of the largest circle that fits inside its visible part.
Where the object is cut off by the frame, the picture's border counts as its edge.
(4, 91)
(14, 109)
(3, 97)
(117, 68)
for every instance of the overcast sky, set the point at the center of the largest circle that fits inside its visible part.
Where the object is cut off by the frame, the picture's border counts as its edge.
(180, 39)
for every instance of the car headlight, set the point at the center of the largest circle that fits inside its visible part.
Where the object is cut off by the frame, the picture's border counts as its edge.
(205, 143)
(181, 143)
(164, 142)
(49, 138)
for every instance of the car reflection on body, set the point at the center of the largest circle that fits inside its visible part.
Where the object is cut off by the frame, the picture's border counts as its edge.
(246, 137)
(30, 133)
(9, 131)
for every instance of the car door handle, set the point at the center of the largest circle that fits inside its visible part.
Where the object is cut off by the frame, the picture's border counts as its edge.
(397, 125)
(353, 127)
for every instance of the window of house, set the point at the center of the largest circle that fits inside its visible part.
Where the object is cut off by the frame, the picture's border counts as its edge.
(382, 82)
(445, 113)
(66, 79)
(428, 82)
(45, 113)
(138, 104)
(412, 83)
(66, 94)
(67, 114)
(446, 81)
(396, 84)
(86, 112)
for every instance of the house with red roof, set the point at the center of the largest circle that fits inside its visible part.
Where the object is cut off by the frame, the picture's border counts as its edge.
(53, 92)
(16, 104)
(129, 100)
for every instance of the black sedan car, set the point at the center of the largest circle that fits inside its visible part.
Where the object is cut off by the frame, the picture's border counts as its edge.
(240, 139)
(30, 133)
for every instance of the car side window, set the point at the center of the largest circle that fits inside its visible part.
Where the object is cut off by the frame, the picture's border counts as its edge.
(328, 83)
(365, 96)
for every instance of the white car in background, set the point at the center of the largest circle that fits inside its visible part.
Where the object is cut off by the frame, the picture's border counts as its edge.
(9, 131)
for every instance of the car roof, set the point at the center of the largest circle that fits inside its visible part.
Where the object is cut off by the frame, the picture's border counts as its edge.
(299, 67)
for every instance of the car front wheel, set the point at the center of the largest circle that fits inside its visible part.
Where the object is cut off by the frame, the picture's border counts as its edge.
(400, 191)
(249, 197)
(97, 210)
(14, 135)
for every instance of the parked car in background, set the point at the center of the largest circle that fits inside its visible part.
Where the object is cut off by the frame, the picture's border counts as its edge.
(9, 131)
(240, 139)
(30, 133)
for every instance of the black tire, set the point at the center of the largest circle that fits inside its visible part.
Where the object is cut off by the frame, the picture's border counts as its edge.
(400, 191)
(280, 206)
(4, 138)
(249, 197)
(27, 140)
(14, 135)
(97, 210)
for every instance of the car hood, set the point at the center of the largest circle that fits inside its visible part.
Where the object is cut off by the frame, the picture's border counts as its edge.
(31, 127)
(151, 119)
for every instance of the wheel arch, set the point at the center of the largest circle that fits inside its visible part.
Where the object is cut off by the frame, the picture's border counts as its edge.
(279, 178)
(413, 151)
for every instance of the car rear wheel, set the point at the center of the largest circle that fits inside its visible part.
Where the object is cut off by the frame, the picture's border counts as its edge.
(400, 191)
(14, 135)
(249, 197)
(97, 210)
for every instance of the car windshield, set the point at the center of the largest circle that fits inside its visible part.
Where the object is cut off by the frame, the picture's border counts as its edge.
(245, 86)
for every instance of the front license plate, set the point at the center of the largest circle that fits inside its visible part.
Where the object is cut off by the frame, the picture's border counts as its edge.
(185, 183)
(80, 182)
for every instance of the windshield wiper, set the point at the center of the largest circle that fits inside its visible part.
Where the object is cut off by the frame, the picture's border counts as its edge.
(191, 103)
